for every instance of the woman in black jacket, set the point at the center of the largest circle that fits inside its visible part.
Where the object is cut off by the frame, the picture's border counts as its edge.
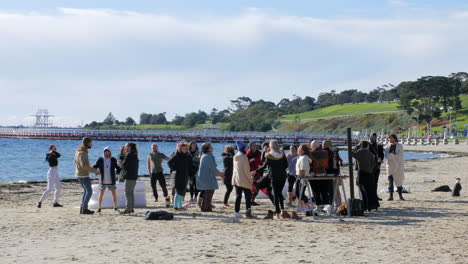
(130, 174)
(277, 164)
(228, 168)
(107, 166)
(182, 165)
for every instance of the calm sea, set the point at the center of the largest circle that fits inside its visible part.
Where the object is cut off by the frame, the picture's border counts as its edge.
(24, 159)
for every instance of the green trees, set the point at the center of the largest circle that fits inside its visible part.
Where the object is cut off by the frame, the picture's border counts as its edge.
(153, 119)
(429, 96)
(259, 116)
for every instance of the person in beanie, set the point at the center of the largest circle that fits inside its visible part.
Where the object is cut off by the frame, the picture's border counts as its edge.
(242, 180)
(53, 179)
(130, 174)
(107, 166)
(82, 173)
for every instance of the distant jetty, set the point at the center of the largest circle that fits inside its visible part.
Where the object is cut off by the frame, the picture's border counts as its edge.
(168, 136)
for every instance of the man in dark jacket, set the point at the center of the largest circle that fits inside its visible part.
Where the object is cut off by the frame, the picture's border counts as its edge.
(367, 162)
(378, 151)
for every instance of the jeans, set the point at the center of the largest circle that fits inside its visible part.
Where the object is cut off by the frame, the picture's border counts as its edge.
(158, 177)
(248, 199)
(130, 193)
(87, 191)
(53, 182)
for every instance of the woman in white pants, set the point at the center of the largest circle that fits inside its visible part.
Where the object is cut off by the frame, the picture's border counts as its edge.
(53, 180)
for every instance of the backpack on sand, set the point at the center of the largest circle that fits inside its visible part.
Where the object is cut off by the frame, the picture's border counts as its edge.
(159, 215)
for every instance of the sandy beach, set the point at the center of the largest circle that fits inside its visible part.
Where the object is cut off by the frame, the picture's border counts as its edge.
(426, 228)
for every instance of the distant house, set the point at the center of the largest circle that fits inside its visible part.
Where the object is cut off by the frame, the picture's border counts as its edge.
(380, 101)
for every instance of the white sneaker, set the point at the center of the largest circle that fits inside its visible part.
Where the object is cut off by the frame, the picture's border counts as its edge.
(237, 215)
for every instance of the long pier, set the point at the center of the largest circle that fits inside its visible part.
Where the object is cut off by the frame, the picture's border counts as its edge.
(167, 136)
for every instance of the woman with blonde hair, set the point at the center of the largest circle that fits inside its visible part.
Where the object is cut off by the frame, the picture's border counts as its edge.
(276, 162)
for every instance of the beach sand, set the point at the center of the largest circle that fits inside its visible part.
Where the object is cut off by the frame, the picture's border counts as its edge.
(426, 228)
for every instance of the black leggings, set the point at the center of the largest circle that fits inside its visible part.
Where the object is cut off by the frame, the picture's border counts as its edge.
(278, 185)
(158, 177)
(291, 181)
(193, 188)
(248, 199)
(228, 193)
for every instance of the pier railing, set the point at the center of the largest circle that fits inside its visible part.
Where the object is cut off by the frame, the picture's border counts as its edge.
(168, 136)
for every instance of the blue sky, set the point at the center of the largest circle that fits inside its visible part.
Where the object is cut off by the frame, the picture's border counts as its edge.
(83, 59)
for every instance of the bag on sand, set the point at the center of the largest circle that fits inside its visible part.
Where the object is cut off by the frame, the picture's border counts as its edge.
(159, 215)
(355, 207)
(443, 188)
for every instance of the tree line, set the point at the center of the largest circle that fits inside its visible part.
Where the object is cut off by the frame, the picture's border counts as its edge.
(426, 98)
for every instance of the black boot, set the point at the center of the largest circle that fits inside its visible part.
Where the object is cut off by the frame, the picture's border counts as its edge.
(390, 187)
(39, 204)
(400, 191)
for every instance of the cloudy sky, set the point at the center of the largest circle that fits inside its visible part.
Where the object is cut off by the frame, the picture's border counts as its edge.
(84, 59)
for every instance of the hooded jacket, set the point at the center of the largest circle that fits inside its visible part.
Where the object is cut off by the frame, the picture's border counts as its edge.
(241, 172)
(277, 164)
(113, 168)
(82, 163)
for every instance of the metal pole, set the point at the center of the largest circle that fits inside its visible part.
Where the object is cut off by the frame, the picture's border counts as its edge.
(350, 163)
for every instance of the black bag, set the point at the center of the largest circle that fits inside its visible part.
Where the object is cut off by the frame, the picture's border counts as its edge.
(159, 215)
(355, 207)
(443, 188)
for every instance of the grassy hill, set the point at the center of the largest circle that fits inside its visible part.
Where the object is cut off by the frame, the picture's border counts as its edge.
(347, 109)
(373, 116)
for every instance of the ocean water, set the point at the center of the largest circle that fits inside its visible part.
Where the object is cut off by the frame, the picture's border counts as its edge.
(24, 159)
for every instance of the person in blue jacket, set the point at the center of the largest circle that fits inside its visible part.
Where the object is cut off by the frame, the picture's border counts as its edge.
(206, 176)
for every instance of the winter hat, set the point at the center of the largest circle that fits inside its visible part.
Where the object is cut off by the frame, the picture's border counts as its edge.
(86, 141)
(107, 148)
(241, 146)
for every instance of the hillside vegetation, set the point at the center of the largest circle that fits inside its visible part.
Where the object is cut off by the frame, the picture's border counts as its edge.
(335, 119)
(347, 109)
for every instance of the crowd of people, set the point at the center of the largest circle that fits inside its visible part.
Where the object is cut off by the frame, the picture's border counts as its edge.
(249, 171)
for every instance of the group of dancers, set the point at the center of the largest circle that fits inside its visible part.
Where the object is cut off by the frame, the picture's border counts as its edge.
(250, 170)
